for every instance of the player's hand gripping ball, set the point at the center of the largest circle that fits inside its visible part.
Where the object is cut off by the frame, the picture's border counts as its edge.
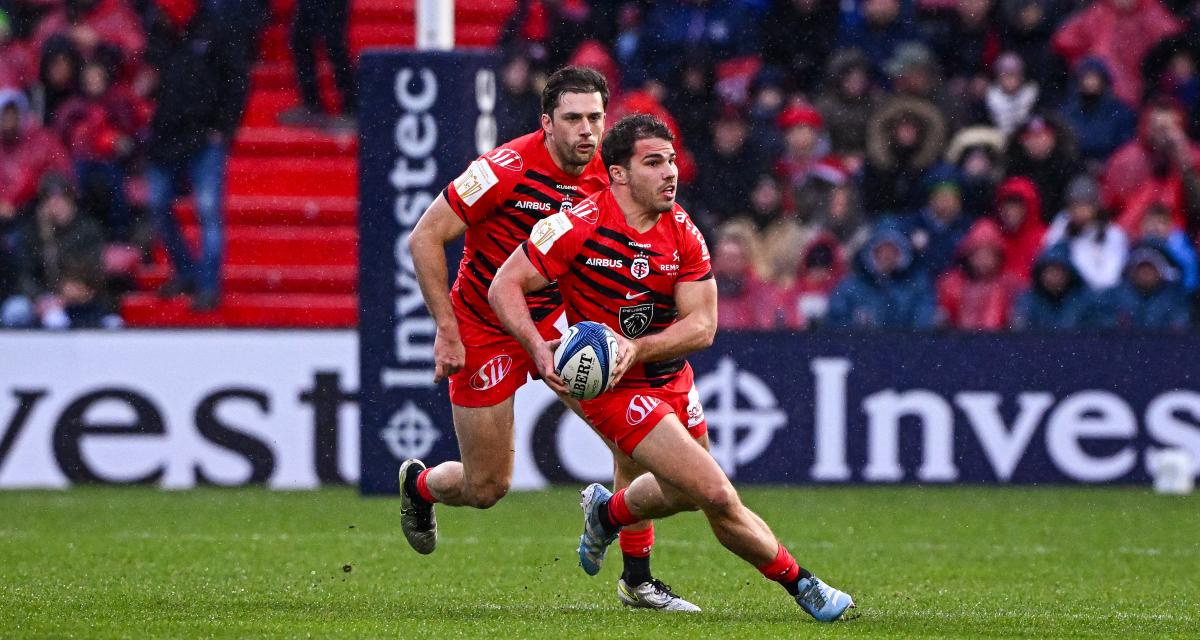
(585, 359)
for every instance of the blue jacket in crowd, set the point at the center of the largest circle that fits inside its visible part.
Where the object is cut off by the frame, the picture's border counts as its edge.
(1162, 308)
(1039, 309)
(1101, 123)
(870, 298)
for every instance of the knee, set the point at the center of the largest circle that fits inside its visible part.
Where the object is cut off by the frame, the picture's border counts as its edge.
(485, 495)
(719, 499)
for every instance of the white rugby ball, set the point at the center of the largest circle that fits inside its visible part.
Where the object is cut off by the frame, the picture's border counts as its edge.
(585, 359)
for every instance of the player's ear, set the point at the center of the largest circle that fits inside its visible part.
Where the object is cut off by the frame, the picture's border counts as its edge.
(617, 175)
(546, 122)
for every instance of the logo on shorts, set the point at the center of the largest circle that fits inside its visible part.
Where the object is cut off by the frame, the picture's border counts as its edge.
(491, 373)
(507, 158)
(636, 319)
(640, 268)
(639, 408)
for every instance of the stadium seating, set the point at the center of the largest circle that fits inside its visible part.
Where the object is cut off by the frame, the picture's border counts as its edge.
(291, 235)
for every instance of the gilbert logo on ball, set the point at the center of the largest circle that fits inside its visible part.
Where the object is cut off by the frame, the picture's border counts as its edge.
(585, 359)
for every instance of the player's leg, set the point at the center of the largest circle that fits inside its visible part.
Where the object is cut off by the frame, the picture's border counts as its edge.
(482, 478)
(678, 462)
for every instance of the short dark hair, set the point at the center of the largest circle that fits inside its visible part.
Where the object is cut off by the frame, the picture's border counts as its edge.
(617, 146)
(572, 80)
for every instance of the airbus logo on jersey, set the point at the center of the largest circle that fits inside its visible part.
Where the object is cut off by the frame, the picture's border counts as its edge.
(491, 373)
(586, 211)
(531, 204)
(507, 158)
(639, 408)
(605, 262)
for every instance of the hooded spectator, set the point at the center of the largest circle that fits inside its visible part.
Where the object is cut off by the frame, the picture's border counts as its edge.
(1019, 214)
(1119, 32)
(978, 294)
(1100, 121)
(59, 75)
(1160, 162)
(90, 24)
(939, 228)
(886, 290)
(904, 141)
(877, 28)
(18, 63)
(835, 210)
(1043, 150)
(1157, 226)
(728, 171)
(1058, 299)
(740, 285)
(1011, 98)
(801, 280)
(1098, 248)
(806, 162)
(1150, 297)
(27, 153)
(977, 154)
(914, 72)
(846, 104)
(797, 37)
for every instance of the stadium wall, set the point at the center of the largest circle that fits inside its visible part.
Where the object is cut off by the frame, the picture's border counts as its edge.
(280, 408)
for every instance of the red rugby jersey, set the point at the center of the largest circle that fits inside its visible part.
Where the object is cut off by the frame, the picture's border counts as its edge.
(501, 196)
(609, 272)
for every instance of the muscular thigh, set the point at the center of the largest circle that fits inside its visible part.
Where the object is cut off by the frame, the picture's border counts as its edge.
(679, 461)
(485, 439)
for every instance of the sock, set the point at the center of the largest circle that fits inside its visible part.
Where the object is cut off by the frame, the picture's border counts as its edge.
(784, 570)
(616, 512)
(635, 547)
(422, 488)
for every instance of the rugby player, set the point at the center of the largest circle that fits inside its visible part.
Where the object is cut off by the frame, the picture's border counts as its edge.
(496, 202)
(630, 257)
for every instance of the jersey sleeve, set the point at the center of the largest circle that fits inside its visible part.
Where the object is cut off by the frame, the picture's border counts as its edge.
(693, 255)
(553, 243)
(477, 192)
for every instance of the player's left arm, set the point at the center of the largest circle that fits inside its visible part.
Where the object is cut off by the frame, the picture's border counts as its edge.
(516, 277)
(693, 331)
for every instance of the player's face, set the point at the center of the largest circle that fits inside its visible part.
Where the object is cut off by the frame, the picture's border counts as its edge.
(652, 175)
(575, 128)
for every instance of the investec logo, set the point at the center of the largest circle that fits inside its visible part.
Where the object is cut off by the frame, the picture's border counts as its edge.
(742, 414)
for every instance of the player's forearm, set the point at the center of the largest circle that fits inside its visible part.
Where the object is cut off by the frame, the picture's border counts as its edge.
(690, 334)
(429, 262)
(507, 298)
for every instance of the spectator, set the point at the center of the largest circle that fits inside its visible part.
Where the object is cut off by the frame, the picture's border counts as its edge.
(714, 29)
(1150, 297)
(79, 303)
(977, 154)
(91, 24)
(1058, 298)
(837, 210)
(764, 207)
(1098, 248)
(27, 153)
(1019, 213)
(1026, 29)
(1011, 98)
(59, 74)
(203, 96)
(914, 74)
(1100, 121)
(801, 281)
(885, 291)
(805, 155)
(630, 47)
(1043, 151)
(728, 172)
(966, 41)
(519, 103)
(61, 240)
(99, 127)
(940, 227)
(798, 36)
(16, 306)
(649, 99)
(904, 140)
(767, 102)
(1178, 78)
(978, 294)
(1119, 32)
(328, 20)
(693, 102)
(740, 287)
(1161, 158)
(17, 61)
(1157, 226)
(877, 28)
(846, 104)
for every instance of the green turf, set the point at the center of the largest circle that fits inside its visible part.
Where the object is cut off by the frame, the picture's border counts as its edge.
(935, 562)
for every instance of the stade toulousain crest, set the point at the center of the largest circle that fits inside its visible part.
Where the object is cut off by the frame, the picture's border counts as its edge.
(636, 319)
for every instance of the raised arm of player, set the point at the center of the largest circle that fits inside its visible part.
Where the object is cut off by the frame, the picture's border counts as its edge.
(516, 277)
(693, 331)
(438, 226)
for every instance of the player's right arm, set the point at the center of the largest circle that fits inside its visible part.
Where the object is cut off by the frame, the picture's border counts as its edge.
(516, 277)
(438, 226)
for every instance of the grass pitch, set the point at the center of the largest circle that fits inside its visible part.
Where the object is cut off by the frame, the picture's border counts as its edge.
(921, 562)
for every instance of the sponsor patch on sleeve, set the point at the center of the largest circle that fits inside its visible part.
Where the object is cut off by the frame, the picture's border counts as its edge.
(548, 230)
(474, 182)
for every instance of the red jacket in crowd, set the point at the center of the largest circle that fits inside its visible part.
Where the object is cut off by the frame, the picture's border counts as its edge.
(28, 154)
(110, 22)
(979, 301)
(1022, 244)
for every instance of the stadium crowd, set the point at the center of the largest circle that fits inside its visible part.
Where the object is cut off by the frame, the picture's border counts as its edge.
(968, 164)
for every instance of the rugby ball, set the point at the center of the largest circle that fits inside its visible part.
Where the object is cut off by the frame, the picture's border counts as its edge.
(585, 359)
